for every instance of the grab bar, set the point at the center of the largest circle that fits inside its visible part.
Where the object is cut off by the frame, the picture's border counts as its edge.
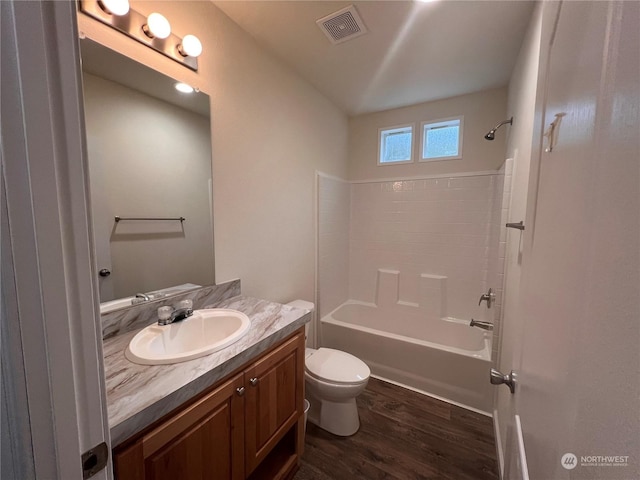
(119, 218)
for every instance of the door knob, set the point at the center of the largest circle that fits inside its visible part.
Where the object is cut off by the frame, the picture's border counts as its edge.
(498, 378)
(254, 381)
(240, 391)
(104, 272)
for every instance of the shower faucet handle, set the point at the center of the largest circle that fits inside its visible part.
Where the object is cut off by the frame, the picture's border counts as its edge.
(489, 297)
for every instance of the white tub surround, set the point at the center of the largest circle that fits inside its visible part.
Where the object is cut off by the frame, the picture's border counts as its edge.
(442, 357)
(422, 250)
(423, 229)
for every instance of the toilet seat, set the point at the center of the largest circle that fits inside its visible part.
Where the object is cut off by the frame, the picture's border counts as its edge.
(335, 366)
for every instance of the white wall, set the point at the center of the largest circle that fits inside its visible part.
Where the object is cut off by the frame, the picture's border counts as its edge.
(270, 131)
(481, 111)
(138, 169)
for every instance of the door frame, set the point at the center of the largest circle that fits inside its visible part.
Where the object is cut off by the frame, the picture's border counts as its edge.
(548, 15)
(52, 299)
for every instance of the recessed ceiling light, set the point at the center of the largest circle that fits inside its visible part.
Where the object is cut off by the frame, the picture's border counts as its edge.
(183, 87)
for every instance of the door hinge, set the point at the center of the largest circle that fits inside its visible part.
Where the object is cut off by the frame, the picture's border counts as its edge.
(94, 460)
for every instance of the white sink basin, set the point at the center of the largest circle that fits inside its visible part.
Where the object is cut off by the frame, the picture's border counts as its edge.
(205, 332)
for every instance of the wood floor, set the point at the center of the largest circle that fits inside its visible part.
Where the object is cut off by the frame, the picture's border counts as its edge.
(403, 435)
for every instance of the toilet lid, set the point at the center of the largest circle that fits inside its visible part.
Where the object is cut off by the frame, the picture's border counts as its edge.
(337, 367)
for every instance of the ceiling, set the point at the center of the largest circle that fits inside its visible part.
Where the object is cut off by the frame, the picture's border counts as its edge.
(413, 52)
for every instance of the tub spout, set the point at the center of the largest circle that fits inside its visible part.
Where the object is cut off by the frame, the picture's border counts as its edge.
(483, 325)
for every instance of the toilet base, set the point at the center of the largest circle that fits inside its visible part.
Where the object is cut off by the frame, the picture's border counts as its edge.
(339, 418)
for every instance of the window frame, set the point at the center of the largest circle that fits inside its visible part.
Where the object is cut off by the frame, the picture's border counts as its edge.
(423, 137)
(391, 129)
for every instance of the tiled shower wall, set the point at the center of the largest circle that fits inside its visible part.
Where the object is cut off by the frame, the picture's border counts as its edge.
(437, 226)
(451, 227)
(333, 243)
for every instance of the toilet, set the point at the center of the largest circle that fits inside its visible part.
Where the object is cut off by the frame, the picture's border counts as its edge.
(333, 380)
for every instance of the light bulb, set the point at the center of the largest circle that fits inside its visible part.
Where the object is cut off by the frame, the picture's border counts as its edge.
(115, 7)
(157, 26)
(190, 46)
(183, 87)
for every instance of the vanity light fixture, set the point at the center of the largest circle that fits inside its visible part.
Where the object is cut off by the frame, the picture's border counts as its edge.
(157, 26)
(114, 7)
(190, 46)
(154, 30)
(183, 87)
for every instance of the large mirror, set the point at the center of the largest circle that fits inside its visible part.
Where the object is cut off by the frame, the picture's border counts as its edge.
(149, 148)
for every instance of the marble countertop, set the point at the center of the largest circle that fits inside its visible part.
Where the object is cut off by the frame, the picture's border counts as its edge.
(138, 395)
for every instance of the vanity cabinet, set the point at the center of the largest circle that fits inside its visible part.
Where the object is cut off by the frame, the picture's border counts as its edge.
(250, 425)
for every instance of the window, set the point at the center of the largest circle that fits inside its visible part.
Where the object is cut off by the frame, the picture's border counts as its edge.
(442, 140)
(396, 145)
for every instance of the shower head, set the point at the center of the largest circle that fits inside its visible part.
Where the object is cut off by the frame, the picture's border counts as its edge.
(492, 133)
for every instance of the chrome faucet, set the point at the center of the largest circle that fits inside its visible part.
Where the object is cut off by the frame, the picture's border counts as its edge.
(482, 325)
(139, 298)
(174, 315)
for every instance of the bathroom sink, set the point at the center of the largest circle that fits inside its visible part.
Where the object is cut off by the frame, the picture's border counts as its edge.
(205, 332)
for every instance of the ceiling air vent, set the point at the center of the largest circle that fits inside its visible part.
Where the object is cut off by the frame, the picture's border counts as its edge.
(342, 25)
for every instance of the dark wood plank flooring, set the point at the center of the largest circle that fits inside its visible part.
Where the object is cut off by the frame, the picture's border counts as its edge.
(403, 435)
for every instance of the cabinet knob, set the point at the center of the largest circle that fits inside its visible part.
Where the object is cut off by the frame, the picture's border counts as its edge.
(254, 381)
(240, 391)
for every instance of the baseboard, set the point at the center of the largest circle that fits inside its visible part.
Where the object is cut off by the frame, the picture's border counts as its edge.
(437, 397)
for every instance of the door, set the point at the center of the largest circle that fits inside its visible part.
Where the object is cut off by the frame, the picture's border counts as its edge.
(204, 441)
(577, 392)
(525, 98)
(274, 399)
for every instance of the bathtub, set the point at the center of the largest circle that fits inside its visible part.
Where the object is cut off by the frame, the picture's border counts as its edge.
(444, 358)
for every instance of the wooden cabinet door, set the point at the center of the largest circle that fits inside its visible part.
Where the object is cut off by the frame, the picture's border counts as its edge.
(274, 398)
(205, 441)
